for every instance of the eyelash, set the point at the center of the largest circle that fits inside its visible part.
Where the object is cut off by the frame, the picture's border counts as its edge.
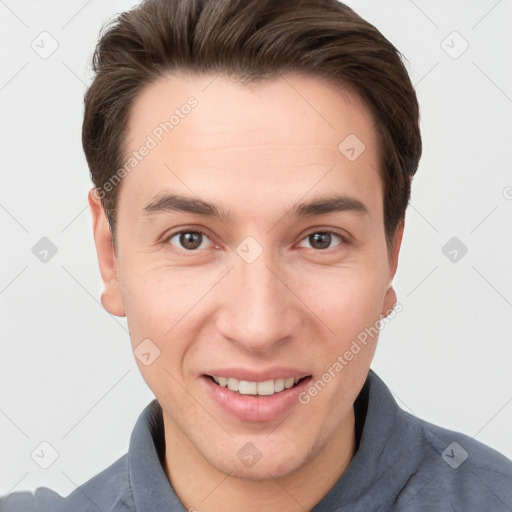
(343, 239)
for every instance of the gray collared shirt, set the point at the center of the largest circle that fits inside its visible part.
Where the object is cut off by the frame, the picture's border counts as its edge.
(402, 464)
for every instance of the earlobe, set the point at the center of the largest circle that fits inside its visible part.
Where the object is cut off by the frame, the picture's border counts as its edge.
(389, 302)
(111, 297)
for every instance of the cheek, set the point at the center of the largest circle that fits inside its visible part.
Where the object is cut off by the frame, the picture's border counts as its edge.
(160, 306)
(152, 296)
(350, 306)
(156, 310)
(347, 300)
(168, 304)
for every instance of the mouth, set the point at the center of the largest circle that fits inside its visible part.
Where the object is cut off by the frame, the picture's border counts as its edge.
(262, 388)
(254, 395)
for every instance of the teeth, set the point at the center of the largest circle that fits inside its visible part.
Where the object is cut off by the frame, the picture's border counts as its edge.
(278, 385)
(265, 388)
(233, 384)
(248, 388)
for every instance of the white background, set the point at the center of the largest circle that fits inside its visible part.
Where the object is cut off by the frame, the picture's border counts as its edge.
(67, 373)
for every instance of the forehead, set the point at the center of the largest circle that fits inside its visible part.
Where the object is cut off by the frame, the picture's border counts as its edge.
(287, 132)
(326, 111)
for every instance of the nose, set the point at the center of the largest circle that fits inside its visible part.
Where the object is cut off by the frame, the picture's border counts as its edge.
(258, 309)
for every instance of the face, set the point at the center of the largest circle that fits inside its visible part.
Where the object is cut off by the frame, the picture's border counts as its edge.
(251, 248)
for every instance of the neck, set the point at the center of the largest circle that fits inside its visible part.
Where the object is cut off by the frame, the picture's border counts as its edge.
(201, 487)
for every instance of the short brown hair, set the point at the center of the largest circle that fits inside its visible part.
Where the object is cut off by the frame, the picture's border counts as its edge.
(251, 40)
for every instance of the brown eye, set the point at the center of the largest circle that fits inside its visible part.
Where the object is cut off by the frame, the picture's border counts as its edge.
(188, 240)
(322, 239)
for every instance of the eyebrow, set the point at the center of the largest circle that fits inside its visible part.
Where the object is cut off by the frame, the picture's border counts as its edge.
(319, 206)
(176, 202)
(330, 204)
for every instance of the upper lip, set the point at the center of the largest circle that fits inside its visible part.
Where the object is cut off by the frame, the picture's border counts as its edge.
(252, 375)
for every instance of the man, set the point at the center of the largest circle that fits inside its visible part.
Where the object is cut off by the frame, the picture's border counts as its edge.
(252, 163)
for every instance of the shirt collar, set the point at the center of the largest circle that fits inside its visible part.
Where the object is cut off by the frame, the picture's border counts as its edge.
(387, 455)
(149, 483)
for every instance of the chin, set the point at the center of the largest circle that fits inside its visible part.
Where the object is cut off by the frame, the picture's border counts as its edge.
(262, 470)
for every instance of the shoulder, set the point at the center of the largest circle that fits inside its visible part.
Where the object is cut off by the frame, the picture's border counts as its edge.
(456, 472)
(108, 490)
(26, 501)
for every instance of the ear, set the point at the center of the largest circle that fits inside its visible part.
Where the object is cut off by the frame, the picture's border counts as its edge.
(390, 297)
(107, 259)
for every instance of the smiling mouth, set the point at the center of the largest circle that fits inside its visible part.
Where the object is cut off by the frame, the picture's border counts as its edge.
(264, 388)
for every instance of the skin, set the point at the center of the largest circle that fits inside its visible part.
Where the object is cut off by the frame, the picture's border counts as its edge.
(256, 151)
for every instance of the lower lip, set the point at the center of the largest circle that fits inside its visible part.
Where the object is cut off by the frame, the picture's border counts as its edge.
(255, 407)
